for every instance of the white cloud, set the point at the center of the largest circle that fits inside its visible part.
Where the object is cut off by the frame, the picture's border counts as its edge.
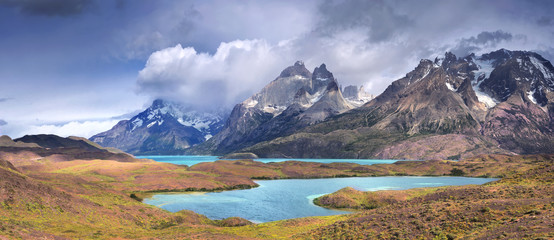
(231, 74)
(81, 129)
(242, 67)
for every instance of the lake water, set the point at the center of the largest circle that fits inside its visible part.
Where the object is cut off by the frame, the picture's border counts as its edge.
(191, 160)
(291, 198)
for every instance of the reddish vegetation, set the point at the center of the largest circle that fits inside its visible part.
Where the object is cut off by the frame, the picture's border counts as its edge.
(516, 207)
(439, 147)
(46, 198)
(482, 166)
(140, 176)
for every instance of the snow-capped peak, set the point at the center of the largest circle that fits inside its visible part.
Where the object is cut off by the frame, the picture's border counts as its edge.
(206, 122)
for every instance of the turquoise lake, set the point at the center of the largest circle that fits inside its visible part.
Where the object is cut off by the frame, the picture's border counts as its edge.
(191, 160)
(291, 198)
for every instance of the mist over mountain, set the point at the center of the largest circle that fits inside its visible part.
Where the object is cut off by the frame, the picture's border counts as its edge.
(164, 128)
(295, 99)
(449, 107)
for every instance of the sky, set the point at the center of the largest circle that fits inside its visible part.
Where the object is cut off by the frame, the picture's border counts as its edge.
(77, 67)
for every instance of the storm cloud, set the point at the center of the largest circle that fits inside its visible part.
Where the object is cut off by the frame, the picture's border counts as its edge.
(49, 7)
(2, 122)
(377, 19)
(368, 43)
(483, 39)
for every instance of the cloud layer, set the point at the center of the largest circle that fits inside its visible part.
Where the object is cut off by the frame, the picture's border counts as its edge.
(484, 39)
(49, 7)
(82, 129)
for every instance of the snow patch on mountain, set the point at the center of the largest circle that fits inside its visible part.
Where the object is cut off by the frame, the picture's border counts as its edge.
(316, 97)
(530, 96)
(427, 71)
(485, 68)
(484, 71)
(450, 87)
(250, 103)
(136, 123)
(540, 66)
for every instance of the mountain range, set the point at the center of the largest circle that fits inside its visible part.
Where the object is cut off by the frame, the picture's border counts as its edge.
(449, 107)
(500, 102)
(295, 99)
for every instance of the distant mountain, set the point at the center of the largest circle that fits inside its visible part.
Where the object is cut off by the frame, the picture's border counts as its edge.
(163, 128)
(57, 148)
(295, 99)
(500, 102)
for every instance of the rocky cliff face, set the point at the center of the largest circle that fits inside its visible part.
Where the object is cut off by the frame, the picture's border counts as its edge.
(163, 128)
(295, 99)
(356, 96)
(450, 107)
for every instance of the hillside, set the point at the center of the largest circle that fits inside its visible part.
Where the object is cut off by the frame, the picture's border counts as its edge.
(47, 146)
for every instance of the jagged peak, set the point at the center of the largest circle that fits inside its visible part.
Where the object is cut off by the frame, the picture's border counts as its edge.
(298, 69)
(424, 63)
(321, 73)
(450, 56)
(500, 55)
(332, 86)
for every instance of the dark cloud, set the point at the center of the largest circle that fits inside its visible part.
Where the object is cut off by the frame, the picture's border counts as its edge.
(2, 122)
(378, 19)
(120, 4)
(4, 99)
(49, 7)
(483, 39)
(544, 21)
(546, 52)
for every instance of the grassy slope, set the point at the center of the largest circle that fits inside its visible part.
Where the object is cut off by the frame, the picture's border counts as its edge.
(90, 199)
(519, 206)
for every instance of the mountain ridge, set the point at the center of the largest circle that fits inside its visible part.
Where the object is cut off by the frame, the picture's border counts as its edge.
(295, 99)
(487, 103)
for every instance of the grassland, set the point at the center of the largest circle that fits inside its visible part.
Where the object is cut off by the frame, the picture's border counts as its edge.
(92, 199)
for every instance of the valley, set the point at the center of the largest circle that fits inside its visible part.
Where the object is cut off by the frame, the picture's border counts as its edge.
(97, 198)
